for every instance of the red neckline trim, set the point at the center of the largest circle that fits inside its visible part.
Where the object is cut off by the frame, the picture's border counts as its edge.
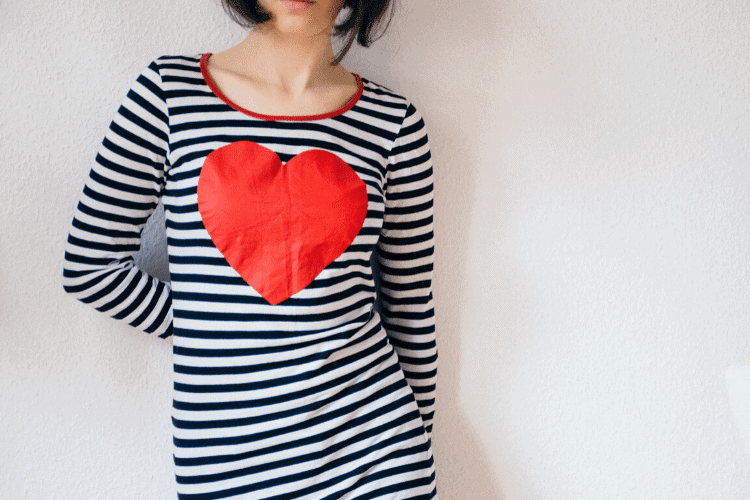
(330, 114)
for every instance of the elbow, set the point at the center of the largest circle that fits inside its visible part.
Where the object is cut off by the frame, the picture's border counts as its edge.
(75, 278)
(69, 284)
(66, 278)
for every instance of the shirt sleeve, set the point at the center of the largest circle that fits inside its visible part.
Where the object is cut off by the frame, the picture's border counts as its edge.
(405, 255)
(123, 188)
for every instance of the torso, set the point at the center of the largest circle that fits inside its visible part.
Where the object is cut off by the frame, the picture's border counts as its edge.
(302, 399)
(239, 86)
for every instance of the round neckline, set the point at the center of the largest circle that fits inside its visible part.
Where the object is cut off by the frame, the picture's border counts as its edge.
(336, 112)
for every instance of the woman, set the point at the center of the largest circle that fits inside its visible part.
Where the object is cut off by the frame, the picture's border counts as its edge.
(280, 173)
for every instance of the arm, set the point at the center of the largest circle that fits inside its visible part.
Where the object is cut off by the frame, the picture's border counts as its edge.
(122, 190)
(405, 254)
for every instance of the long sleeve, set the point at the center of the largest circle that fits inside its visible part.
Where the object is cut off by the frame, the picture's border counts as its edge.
(122, 190)
(405, 254)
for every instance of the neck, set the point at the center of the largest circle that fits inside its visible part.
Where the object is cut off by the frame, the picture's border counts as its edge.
(289, 63)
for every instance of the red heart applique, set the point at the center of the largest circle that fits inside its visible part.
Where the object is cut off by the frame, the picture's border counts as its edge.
(279, 225)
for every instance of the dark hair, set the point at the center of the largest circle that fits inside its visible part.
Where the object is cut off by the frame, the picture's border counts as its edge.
(359, 24)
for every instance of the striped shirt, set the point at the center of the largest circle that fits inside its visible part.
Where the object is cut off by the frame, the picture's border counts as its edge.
(323, 395)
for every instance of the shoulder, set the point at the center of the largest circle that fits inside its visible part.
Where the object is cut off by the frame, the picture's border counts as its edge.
(396, 103)
(184, 59)
(172, 64)
(166, 72)
(156, 67)
(175, 63)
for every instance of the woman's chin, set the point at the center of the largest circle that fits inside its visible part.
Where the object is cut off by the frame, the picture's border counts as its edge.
(298, 27)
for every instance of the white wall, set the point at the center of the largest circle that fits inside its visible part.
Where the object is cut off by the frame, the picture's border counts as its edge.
(593, 241)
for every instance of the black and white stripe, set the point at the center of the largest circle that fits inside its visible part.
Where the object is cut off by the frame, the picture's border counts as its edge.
(320, 396)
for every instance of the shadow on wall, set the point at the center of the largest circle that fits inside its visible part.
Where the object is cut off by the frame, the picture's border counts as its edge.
(464, 471)
(738, 389)
(453, 110)
(153, 256)
(441, 49)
